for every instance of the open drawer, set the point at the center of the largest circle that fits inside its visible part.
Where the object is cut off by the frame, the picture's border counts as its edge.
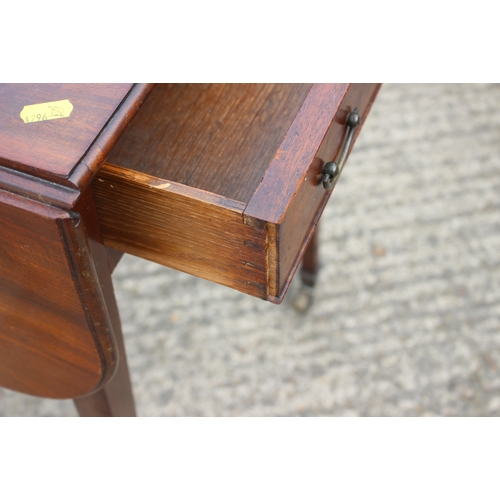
(223, 181)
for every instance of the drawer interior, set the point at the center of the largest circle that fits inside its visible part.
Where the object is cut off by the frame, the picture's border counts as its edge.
(223, 181)
(216, 137)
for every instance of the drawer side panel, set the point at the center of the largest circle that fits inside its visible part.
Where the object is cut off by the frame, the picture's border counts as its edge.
(180, 227)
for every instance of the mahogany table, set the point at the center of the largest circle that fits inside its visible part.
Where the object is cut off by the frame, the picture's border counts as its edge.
(226, 182)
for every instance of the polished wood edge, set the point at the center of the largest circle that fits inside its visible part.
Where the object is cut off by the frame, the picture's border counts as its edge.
(38, 189)
(272, 260)
(114, 397)
(312, 124)
(86, 280)
(42, 209)
(142, 180)
(90, 163)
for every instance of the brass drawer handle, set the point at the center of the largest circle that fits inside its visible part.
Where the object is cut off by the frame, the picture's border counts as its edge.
(332, 170)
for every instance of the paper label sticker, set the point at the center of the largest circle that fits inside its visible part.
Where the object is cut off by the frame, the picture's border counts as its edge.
(46, 111)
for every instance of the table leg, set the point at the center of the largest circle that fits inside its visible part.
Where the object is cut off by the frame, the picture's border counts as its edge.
(310, 263)
(116, 398)
(308, 274)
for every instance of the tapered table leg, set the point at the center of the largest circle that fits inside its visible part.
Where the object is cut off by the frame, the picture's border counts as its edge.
(116, 398)
(308, 274)
(310, 263)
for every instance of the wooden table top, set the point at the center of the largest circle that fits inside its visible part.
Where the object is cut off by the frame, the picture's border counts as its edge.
(61, 132)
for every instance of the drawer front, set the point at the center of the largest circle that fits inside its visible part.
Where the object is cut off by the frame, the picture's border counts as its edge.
(252, 245)
(290, 223)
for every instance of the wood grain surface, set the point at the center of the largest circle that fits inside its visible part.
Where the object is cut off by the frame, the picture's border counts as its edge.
(216, 137)
(54, 146)
(56, 339)
(158, 215)
(181, 227)
(54, 160)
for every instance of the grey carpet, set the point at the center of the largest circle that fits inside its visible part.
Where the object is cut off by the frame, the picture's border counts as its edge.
(407, 313)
